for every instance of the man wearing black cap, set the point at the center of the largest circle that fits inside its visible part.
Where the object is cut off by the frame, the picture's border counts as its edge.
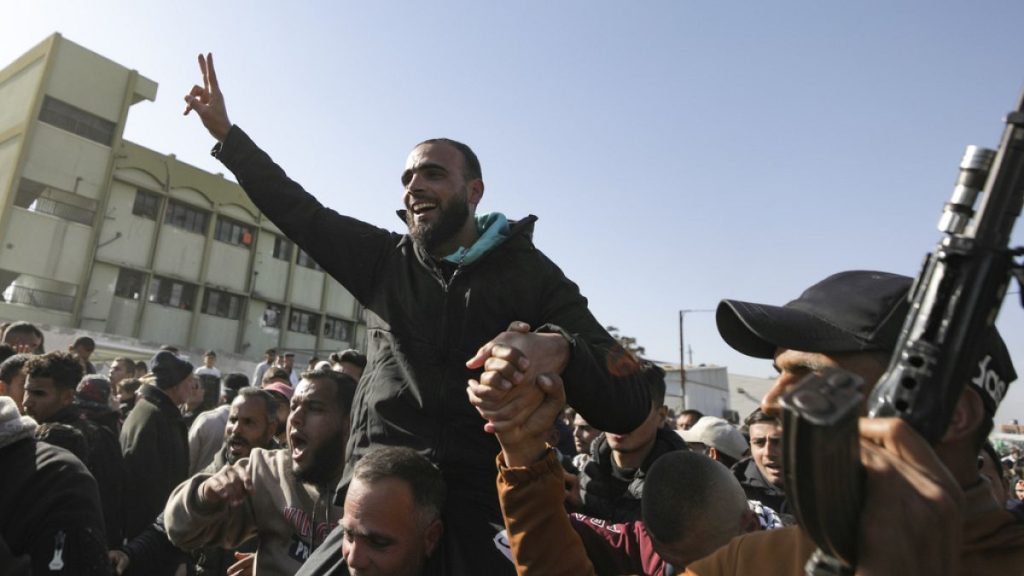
(928, 509)
(154, 441)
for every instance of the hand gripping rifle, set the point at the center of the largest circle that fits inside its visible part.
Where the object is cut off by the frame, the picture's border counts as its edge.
(953, 301)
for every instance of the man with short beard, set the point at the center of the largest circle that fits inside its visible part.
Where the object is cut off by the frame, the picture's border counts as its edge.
(251, 424)
(440, 302)
(285, 497)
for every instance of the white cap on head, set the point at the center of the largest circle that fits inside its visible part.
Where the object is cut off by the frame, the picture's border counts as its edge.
(718, 433)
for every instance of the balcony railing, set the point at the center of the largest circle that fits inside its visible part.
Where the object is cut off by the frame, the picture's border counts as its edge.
(39, 298)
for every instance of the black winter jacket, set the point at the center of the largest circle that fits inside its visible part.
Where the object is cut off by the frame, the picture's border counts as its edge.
(104, 461)
(425, 318)
(614, 499)
(757, 488)
(154, 443)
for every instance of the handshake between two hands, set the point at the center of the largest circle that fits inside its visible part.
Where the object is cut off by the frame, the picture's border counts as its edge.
(520, 392)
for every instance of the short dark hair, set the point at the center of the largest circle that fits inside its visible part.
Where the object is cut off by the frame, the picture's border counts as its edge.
(22, 327)
(424, 479)
(10, 367)
(345, 386)
(275, 372)
(758, 416)
(64, 368)
(169, 348)
(671, 514)
(269, 402)
(470, 163)
(6, 351)
(270, 351)
(84, 342)
(351, 356)
(123, 359)
(691, 412)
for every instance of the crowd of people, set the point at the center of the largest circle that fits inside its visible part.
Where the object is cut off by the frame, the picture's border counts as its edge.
(493, 426)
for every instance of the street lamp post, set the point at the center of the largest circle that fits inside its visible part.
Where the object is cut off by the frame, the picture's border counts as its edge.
(682, 353)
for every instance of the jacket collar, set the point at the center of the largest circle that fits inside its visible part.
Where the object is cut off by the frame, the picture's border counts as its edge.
(516, 228)
(161, 400)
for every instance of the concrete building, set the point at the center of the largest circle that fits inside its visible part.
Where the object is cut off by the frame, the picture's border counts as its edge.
(108, 237)
(714, 391)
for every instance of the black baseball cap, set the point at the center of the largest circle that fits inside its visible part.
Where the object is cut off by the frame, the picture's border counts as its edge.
(855, 311)
(851, 311)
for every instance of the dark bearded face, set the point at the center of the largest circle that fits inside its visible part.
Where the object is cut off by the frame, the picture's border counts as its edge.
(447, 219)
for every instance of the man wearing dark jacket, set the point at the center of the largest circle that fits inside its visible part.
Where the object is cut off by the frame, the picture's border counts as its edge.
(761, 473)
(154, 441)
(50, 385)
(50, 518)
(612, 482)
(435, 297)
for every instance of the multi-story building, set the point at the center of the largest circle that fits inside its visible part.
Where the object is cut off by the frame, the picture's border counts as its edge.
(105, 236)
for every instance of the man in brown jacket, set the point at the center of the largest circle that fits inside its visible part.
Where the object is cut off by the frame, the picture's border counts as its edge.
(928, 510)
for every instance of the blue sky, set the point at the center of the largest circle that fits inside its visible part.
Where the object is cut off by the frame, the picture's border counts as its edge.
(676, 152)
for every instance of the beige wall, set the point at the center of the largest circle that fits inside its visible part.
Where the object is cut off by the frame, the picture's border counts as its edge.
(17, 95)
(34, 315)
(165, 325)
(270, 274)
(307, 286)
(136, 241)
(99, 295)
(44, 245)
(228, 267)
(88, 80)
(339, 302)
(216, 333)
(179, 253)
(59, 158)
(8, 163)
(123, 312)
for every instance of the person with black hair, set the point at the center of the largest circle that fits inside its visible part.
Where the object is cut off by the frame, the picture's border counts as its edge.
(6, 351)
(154, 441)
(51, 521)
(283, 496)
(24, 337)
(761, 474)
(612, 481)
(269, 358)
(12, 378)
(83, 347)
(50, 387)
(351, 362)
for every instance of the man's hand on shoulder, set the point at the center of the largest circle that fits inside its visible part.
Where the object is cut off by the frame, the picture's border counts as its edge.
(208, 101)
(231, 485)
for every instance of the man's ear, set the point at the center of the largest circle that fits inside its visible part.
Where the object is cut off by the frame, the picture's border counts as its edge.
(476, 191)
(967, 417)
(713, 453)
(432, 536)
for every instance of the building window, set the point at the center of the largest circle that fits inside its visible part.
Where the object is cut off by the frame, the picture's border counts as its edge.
(172, 293)
(129, 284)
(271, 317)
(147, 204)
(282, 248)
(77, 121)
(306, 261)
(39, 197)
(217, 303)
(337, 329)
(232, 232)
(186, 217)
(303, 322)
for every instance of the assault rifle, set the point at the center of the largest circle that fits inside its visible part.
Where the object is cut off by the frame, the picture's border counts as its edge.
(953, 301)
